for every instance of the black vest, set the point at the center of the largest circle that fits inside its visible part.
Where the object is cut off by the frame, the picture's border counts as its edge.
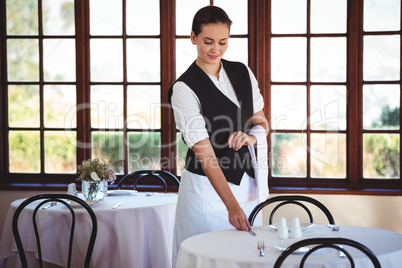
(222, 118)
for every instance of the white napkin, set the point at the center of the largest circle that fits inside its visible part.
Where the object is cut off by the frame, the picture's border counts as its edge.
(260, 161)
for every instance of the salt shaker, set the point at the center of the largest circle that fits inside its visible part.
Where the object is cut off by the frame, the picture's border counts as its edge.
(295, 231)
(72, 189)
(283, 231)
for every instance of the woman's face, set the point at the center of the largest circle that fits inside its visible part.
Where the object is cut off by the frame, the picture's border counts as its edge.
(211, 43)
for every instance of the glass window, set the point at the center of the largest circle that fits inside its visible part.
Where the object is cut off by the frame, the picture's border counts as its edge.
(328, 59)
(289, 16)
(41, 90)
(381, 92)
(382, 15)
(289, 114)
(328, 16)
(381, 156)
(381, 58)
(289, 59)
(328, 107)
(106, 17)
(289, 157)
(91, 81)
(308, 91)
(381, 106)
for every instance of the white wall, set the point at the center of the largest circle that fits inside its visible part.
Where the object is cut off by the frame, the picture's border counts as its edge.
(383, 212)
(363, 210)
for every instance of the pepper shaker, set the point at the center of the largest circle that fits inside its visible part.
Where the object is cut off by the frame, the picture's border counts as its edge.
(72, 189)
(283, 231)
(295, 231)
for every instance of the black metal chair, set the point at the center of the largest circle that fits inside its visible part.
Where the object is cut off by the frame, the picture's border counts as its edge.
(327, 242)
(290, 199)
(63, 199)
(160, 175)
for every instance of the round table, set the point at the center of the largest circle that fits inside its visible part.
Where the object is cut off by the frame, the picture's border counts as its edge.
(139, 233)
(235, 249)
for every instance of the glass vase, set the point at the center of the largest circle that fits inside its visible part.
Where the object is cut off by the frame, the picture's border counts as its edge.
(94, 190)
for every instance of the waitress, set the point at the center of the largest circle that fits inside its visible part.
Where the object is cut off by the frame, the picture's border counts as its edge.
(216, 103)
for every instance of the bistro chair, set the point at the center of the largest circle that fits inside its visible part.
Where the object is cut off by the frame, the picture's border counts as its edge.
(290, 199)
(52, 198)
(326, 242)
(159, 175)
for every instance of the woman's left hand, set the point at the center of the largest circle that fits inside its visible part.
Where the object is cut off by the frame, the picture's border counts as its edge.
(238, 139)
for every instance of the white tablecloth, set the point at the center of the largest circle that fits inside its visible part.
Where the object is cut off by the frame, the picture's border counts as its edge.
(138, 233)
(235, 249)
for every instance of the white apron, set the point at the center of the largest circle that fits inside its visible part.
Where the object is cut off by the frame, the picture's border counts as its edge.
(199, 207)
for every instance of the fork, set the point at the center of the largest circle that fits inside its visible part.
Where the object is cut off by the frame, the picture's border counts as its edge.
(53, 203)
(261, 247)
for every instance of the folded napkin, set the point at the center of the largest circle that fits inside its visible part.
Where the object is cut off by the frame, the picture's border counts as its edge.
(259, 156)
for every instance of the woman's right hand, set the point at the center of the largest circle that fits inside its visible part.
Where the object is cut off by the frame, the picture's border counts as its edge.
(238, 218)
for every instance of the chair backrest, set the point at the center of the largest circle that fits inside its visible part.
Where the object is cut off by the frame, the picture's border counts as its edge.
(290, 199)
(63, 199)
(327, 242)
(160, 175)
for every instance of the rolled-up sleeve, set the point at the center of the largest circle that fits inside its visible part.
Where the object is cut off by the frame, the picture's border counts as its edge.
(188, 114)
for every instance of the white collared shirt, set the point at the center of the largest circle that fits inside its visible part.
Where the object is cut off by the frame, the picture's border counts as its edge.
(187, 107)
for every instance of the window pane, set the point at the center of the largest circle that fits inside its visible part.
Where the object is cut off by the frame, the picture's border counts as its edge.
(237, 11)
(144, 107)
(106, 17)
(381, 156)
(144, 150)
(328, 107)
(186, 53)
(288, 113)
(59, 104)
(380, 15)
(143, 60)
(106, 60)
(23, 106)
(328, 155)
(142, 17)
(23, 60)
(58, 17)
(328, 59)
(185, 11)
(381, 106)
(181, 150)
(22, 19)
(109, 147)
(289, 16)
(289, 59)
(288, 155)
(381, 57)
(328, 16)
(60, 153)
(107, 107)
(24, 149)
(237, 50)
(59, 59)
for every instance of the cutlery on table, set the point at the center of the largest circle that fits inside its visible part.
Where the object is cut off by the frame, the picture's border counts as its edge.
(341, 253)
(252, 232)
(261, 247)
(333, 227)
(53, 203)
(117, 205)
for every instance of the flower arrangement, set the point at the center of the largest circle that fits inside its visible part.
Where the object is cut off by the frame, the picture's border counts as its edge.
(95, 170)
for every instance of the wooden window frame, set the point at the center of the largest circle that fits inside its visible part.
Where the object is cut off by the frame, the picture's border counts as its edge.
(259, 61)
